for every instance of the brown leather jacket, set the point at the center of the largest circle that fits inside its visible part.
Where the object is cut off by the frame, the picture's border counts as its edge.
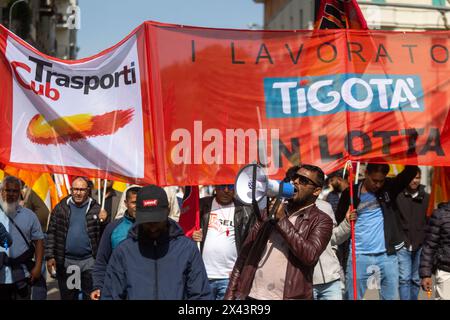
(306, 240)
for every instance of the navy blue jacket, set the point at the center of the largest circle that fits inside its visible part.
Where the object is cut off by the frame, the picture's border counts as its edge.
(105, 248)
(170, 269)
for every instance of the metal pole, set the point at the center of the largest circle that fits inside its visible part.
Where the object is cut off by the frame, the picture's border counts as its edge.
(10, 11)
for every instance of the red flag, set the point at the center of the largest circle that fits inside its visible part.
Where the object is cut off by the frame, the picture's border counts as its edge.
(339, 14)
(190, 211)
(440, 188)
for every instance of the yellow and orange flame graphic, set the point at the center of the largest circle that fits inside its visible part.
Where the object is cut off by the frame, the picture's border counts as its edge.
(76, 127)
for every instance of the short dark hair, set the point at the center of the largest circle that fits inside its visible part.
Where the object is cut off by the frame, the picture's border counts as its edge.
(339, 173)
(378, 167)
(320, 175)
(442, 205)
(11, 179)
(130, 191)
(291, 172)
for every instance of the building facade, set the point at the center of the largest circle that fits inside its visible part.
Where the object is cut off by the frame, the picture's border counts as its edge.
(402, 15)
(48, 25)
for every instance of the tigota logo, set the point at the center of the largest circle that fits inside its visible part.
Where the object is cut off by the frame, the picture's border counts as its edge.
(44, 74)
(315, 96)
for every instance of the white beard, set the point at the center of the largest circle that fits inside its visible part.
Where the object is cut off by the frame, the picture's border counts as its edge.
(9, 208)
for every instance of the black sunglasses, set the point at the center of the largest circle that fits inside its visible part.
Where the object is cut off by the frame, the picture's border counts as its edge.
(224, 186)
(304, 180)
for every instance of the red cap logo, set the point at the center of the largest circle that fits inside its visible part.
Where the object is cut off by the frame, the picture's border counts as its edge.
(150, 203)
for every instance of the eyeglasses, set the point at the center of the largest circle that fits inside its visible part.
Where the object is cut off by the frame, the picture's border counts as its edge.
(80, 190)
(224, 186)
(304, 181)
(11, 190)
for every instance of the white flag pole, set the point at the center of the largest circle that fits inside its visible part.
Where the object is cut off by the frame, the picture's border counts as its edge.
(99, 186)
(58, 184)
(104, 193)
(358, 164)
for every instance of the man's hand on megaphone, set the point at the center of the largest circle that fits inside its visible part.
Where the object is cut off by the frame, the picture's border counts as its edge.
(280, 212)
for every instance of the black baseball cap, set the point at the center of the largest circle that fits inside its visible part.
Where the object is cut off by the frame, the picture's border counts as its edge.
(152, 205)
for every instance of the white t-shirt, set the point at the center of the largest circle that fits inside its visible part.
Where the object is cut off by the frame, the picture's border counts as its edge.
(219, 250)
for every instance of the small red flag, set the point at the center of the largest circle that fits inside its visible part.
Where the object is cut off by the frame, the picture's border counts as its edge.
(339, 14)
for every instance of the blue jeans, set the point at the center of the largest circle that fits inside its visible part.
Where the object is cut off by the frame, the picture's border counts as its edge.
(219, 287)
(328, 291)
(408, 264)
(374, 271)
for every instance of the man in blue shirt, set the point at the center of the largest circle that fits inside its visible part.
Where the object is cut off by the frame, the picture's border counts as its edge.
(378, 235)
(18, 271)
(113, 235)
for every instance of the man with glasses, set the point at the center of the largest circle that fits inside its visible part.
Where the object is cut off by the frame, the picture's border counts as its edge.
(278, 257)
(224, 226)
(72, 241)
(378, 235)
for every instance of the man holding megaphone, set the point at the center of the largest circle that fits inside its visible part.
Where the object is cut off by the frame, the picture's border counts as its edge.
(278, 257)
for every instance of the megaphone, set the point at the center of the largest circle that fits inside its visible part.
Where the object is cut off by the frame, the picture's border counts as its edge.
(252, 181)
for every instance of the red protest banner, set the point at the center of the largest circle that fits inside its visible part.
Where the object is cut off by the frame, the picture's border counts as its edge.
(203, 99)
(190, 210)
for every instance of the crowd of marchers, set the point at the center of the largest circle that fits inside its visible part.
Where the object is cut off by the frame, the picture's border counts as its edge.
(132, 247)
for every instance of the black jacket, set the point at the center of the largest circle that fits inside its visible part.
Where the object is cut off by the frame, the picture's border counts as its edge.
(244, 218)
(386, 197)
(413, 216)
(169, 268)
(55, 245)
(436, 247)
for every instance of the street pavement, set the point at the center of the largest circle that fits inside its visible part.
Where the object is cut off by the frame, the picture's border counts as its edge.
(52, 289)
(53, 292)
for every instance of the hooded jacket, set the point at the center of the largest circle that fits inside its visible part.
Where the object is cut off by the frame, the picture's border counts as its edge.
(116, 231)
(171, 268)
(436, 247)
(413, 216)
(58, 227)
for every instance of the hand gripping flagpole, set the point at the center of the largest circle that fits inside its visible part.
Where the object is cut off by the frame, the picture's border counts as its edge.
(352, 225)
